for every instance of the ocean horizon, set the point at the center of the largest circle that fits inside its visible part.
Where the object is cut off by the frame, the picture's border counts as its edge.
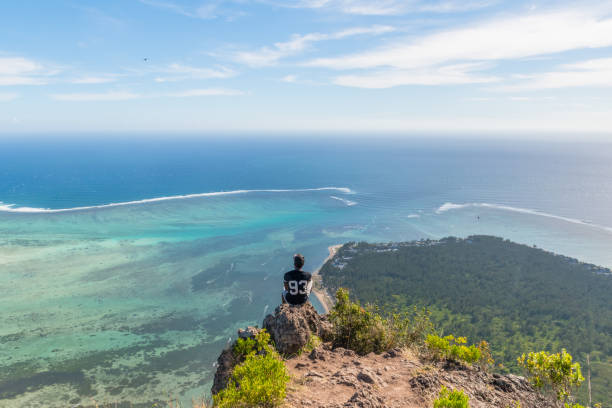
(128, 265)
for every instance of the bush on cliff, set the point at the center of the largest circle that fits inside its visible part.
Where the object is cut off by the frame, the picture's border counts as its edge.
(453, 348)
(451, 399)
(247, 346)
(259, 381)
(368, 329)
(553, 372)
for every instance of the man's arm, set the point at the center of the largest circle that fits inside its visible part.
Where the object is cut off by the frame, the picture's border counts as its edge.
(309, 287)
(286, 285)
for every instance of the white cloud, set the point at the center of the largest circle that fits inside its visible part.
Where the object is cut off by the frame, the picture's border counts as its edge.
(520, 98)
(6, 80)
(591, 65)
(521, 36)
(455, 6)
(479, 99)
(18, 66)
(23, 71)
(7, 97)
(289, 79)
(175, 8)
(364, 7)
(445, 75)
(206, 11)
(590, 73)
(88, 97)
(125, 95)
(179, 72)
(386, 7)
(206, 92)
(95, 79)
(102, 18)
(268, 56)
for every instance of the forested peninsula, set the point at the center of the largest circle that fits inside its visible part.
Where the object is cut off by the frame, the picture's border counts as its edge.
(517, 297)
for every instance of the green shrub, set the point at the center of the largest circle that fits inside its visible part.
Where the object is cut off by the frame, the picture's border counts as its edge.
(260, 381)
(312, 344)
(244, 347)
(552, 371)
(453, 348)
(410, 326)
(368, 329)
(486, 358)
(451, 399)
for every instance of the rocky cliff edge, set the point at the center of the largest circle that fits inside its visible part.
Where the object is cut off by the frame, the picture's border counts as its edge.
(334, 378)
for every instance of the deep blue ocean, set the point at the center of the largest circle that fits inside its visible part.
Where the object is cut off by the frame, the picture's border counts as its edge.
(122, 277)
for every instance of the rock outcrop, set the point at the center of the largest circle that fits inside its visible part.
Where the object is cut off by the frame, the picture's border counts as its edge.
(292, 326)
(225, 365)
(227, 361)
(339, 378)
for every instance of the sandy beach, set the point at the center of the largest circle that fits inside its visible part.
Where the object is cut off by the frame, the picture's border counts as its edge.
(326, 300)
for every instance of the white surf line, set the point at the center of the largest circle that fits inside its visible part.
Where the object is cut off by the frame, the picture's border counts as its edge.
(12, 208)
(344, 200)
(452, 206)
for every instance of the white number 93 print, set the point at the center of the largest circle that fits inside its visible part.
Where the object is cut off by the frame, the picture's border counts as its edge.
(300, 287)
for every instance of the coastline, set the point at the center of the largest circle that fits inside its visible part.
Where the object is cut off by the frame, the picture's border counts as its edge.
(320, 292)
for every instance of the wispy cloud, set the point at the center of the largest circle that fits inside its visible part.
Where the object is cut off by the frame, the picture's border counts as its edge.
(386, 7)
(206, 92)
(179, 72)
(594, 72)
(7, 97)
(513, 37)
(102, 18)
(267, 56)
(206, 11)
(289, 79)
(165, 5)
(7, 80)
(445, 75)
(364, 7)
(18, 66)
(453, 56)
(104, 96)
(23, 71)
(454, 6)
(127, 95)
(89, 80)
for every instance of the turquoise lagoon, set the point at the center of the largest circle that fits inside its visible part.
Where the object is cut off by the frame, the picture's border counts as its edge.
(132, 302)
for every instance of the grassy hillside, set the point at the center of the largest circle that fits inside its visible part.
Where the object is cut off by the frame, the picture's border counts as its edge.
(516, 297)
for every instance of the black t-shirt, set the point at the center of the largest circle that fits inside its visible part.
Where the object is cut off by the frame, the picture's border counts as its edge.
(298, 282)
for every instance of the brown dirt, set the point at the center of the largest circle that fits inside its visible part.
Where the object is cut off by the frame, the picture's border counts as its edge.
(398, 378)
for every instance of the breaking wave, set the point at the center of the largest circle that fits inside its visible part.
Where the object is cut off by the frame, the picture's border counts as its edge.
(13, 208)
(452, 206)
(345, 201)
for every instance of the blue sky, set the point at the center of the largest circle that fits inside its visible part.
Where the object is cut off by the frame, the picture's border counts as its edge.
(306, 66)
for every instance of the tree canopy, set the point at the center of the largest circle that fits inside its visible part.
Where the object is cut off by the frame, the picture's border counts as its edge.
(517, 297)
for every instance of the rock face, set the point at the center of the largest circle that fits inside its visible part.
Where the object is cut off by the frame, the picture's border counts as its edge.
(225, 365)
(291, 327)
(330, 377)
(227, 361)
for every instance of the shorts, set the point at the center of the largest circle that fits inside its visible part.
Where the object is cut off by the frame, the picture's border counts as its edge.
(284, 299)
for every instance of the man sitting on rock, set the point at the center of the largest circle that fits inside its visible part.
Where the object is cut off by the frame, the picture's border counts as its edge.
(298, 283)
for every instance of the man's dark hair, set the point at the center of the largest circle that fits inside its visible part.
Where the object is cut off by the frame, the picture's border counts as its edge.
(298, 261)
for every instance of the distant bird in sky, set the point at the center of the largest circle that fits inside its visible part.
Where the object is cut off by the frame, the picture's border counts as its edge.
(145, 59)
